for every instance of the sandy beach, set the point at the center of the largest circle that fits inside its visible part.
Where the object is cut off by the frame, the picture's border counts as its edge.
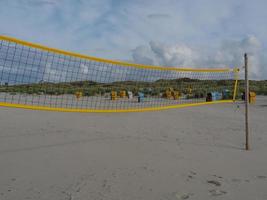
(189, 153)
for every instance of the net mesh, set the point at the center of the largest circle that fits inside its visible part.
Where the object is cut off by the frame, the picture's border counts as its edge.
(40, 77)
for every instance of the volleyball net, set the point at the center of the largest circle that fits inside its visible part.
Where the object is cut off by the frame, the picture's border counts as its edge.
(38, 77)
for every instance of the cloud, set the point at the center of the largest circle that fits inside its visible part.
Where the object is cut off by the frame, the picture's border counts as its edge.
(229, 54)
(144, 55)
(52, 74)
(40, 2)
(165, 55)
(158, 16)
(84, 69)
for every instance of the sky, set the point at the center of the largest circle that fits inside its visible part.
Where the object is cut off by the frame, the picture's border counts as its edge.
(178, 33)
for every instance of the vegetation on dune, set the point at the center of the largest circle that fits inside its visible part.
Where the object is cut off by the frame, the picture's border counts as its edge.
(259, 87)
(89, 88)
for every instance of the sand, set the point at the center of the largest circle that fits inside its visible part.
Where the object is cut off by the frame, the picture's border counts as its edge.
(189, 153)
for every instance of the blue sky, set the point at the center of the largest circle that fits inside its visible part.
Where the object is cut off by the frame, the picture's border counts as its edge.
(191, 33)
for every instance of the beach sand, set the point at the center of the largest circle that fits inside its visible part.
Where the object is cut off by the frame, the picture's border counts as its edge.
(188, 153)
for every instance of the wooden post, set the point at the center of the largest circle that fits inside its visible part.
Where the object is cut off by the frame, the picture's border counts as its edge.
(246, 101)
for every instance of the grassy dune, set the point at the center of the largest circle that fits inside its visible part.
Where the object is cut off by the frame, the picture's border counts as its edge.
(90, 88)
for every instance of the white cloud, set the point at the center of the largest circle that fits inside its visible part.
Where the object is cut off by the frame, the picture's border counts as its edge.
(53, 75)
(84, 69)
(158, 16)
(229, 54)
(165, 55)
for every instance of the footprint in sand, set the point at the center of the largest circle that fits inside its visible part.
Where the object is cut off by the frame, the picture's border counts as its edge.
(261, 177)
(217, 192)
(220, 177)
(177, 196)
(184, 196)
(191, 175)
(214, 182)
(236, 180)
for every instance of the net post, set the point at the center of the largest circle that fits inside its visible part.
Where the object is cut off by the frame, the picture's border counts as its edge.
(246, 102)
(236, 71)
